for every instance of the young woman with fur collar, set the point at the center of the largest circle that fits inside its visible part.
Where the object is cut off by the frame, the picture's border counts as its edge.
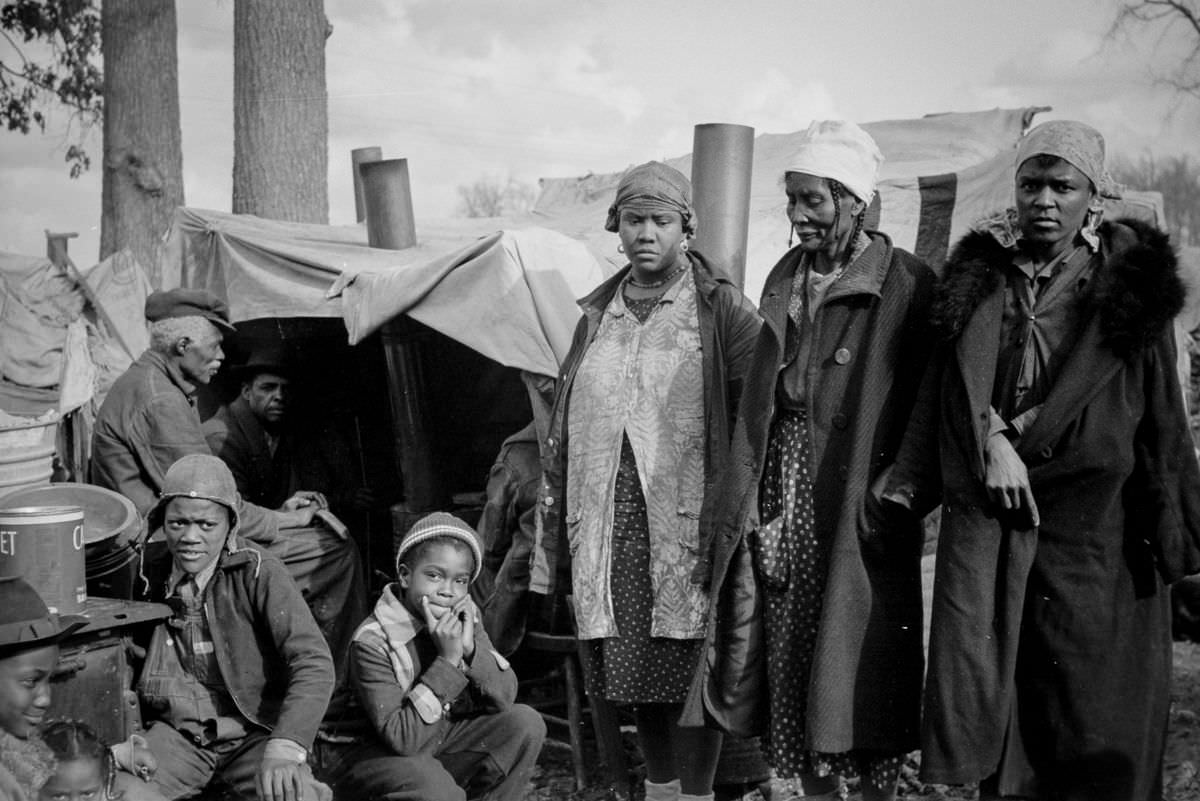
(1052, 430)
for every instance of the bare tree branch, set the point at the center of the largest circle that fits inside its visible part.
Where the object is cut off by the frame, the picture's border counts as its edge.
(1171, 18)
(489, 197)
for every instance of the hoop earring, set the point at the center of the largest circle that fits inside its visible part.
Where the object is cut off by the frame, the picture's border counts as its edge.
(620, 248)
(683, 246)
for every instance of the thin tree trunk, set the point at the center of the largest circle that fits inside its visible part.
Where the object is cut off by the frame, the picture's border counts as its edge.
(280, 120)
(143, 149)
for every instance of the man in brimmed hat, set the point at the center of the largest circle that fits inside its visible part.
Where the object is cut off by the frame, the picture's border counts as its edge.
(274, 458)
(239, 678)
(149, 420)
(1051, 428)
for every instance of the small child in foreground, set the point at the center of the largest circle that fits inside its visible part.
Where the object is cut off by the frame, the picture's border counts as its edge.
(29, 638)
(87, 770)
(439, 697)
(33, 755)
(84, 769)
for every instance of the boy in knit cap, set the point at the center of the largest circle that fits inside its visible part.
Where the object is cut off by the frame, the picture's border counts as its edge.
(239, 678)
(439, 697)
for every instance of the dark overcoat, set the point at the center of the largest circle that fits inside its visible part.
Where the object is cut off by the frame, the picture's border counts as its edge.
(1062, 631)
(869, 351)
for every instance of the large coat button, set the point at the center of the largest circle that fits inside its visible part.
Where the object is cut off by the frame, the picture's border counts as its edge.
(842, 355)
(839, 421)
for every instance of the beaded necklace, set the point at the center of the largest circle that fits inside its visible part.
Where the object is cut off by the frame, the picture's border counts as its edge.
(656, 284)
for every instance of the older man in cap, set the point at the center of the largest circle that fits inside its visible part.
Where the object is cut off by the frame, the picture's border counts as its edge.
(149, 420)
(1051, 428)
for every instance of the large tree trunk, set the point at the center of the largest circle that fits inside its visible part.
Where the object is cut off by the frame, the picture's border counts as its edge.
(143, 151)
(280, 121)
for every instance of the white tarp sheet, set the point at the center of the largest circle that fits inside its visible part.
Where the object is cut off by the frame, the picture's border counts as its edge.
(508, 294)
(70, 333)
(38, 301)
(507, 287)
(941, 174)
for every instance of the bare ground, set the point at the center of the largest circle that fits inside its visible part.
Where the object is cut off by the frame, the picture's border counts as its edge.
(1181, 773)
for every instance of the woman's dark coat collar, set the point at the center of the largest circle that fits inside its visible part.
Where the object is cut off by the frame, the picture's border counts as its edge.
(865, 275)
(1137, 291)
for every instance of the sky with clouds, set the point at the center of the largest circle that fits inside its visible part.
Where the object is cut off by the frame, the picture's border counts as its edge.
(549, 88)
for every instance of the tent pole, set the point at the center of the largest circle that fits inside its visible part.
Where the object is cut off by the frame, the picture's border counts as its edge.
(388, 200)
(390, 226)
(358, 156)
(722, 161)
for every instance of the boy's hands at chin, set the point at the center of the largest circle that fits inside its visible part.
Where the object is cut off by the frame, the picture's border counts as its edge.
(465, 611)
(446, 630)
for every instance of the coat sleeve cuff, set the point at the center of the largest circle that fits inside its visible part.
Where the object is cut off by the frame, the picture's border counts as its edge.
(281, 748)
(486, 662)
(444, 680)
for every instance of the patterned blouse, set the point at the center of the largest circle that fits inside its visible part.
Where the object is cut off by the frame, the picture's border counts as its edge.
(644, 381)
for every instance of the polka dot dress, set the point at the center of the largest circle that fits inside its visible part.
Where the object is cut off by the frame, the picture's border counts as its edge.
(793, 561)
(635, 667)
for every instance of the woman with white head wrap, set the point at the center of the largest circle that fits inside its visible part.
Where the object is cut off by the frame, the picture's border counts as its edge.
(834, 375)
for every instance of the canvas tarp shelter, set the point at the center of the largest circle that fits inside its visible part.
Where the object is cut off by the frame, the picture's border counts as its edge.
(509, 294)
(506, 287)
(941, 174)
(62, 341)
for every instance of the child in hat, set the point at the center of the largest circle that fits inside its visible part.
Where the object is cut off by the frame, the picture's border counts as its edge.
(239, 679)
(29, 638)
(29, 643)
(85, 767)
(438, 695)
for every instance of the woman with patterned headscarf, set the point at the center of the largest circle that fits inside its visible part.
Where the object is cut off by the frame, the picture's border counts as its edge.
(834, 374)
(639, 431)
(1052, 431)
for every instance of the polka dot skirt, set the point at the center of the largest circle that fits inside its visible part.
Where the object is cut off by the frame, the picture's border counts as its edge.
(635, 667)
(793, 560)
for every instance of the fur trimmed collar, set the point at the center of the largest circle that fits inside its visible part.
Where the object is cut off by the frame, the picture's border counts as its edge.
(1137, 291)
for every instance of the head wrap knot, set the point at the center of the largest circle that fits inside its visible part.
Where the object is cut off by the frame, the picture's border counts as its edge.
(655, 186)
(841, 151)
(1078, 144)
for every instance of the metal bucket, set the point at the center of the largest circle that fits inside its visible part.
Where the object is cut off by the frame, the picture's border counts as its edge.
(44, 544)
(112, 532)
(27, 455)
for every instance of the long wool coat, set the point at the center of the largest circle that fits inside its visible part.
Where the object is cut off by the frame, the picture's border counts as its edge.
(1063, 630)
(868, 355)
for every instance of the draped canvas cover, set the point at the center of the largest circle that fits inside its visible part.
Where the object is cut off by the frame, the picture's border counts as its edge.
(507, 287)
